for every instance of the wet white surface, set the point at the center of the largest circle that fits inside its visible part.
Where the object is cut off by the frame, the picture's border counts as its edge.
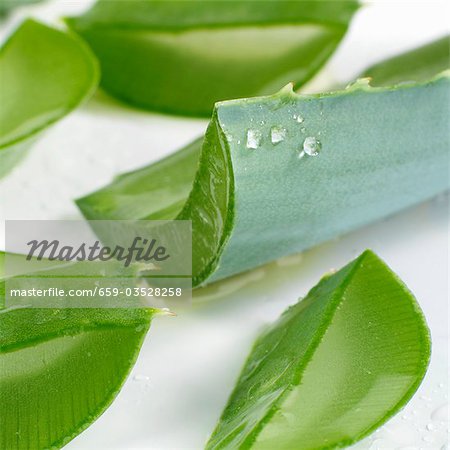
(189, 363)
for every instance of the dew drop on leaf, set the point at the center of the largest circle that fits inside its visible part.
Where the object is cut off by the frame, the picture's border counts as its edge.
(277, 135)
(253, 139)
(298, 118)
(311, 146)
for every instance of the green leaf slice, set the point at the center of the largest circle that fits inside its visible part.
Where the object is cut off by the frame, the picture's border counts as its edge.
(333, 368)
(381, 150)
(61, 368)
(46, 73)
(181, 57)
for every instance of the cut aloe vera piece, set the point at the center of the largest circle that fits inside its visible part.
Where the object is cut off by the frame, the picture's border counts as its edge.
(61, 368)
(45, 73)
(183, 56)
(279, 174)
(333, 368)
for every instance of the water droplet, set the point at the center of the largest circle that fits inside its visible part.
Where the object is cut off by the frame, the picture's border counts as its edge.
(430, 427)
(253, 139)
(277, 135)
(440, 413)
(141, 378)
(300, 119)
(311, 146)
(303, 129)
(301, 155)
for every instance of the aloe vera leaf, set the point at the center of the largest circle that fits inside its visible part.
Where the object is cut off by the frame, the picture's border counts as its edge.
(45, 74)
(382, 150)
(61, 368)
(418, 65)
(181, 57)
(333, 368)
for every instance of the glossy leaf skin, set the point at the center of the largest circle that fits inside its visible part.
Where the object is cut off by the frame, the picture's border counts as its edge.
(416, 65)
(61, 368)
(333, 368)
(181, 57)
(46, 73)
(382, 150)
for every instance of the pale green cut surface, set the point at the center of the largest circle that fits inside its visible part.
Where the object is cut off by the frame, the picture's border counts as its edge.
(61, 368)
(183, 56)
(333, 368)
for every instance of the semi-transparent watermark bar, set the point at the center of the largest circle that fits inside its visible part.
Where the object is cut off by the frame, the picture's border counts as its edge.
(97, 264)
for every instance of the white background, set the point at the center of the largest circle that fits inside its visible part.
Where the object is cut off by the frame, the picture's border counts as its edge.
(189, 363)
